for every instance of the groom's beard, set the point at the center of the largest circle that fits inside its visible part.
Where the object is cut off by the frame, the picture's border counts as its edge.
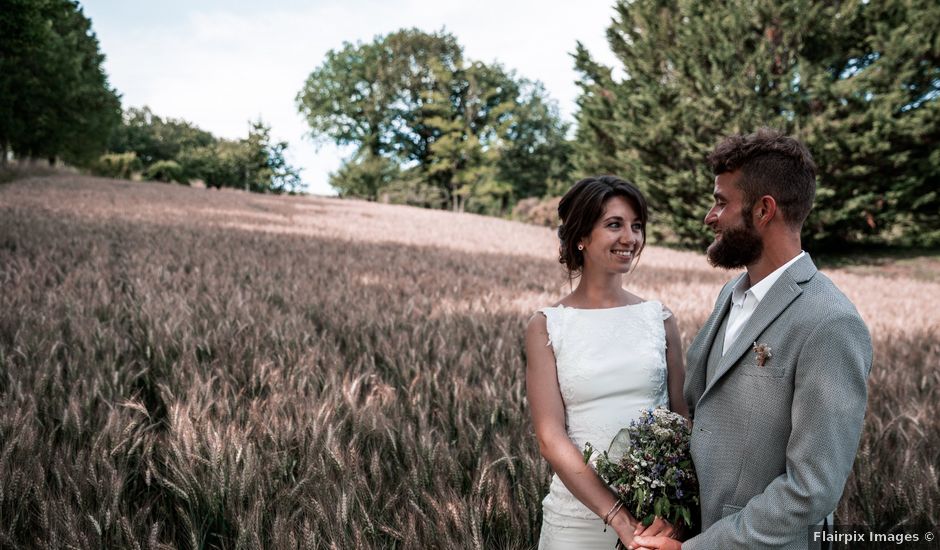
(738, 246)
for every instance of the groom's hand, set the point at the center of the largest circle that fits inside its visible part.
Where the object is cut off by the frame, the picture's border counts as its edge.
(650, 543)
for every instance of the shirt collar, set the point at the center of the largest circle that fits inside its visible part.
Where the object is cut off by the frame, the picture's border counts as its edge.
(763, 287)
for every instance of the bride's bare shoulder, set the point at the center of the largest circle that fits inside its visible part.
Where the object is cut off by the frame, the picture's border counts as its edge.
(631, 299)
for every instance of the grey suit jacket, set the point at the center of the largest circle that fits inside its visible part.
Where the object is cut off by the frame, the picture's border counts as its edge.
(773, 445)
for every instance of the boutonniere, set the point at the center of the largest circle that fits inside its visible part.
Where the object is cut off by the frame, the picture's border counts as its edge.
(763, 353)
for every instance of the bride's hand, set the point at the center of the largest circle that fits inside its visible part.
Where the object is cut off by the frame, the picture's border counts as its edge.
(659, 528)
(625, 525)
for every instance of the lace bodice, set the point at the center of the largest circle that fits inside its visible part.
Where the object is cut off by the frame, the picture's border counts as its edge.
(611, 363)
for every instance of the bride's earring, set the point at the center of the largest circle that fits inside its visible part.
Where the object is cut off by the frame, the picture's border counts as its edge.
(580, 247)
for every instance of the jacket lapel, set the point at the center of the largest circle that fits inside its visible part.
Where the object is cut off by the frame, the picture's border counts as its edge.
(714, 322)
(703, 341)
(778, 298)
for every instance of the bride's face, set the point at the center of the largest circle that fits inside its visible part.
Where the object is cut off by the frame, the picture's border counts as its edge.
(615, 240)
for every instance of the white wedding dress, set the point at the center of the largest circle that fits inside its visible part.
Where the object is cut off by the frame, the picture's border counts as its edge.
(611, 364)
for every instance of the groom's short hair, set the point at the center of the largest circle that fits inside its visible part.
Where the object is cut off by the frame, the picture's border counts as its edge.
(771, 163)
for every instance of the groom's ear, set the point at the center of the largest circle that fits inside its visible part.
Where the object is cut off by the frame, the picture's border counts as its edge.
(765, 209)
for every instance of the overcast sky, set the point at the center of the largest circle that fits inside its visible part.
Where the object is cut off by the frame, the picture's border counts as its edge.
(219, 64)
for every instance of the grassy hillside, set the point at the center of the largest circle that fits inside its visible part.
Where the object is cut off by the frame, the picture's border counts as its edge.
(205, 369)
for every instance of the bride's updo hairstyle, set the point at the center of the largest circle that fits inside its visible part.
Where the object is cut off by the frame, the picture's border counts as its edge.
(580, 209)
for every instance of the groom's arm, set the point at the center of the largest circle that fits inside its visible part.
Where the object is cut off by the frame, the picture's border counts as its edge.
(828, 409)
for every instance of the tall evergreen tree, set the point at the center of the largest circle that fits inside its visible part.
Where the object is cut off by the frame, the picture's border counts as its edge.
(23, 38)
(873, 122)
(857, 81)
(595, 145)
(56, 98)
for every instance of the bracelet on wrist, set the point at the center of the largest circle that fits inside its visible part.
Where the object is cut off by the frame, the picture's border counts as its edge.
(612, 513)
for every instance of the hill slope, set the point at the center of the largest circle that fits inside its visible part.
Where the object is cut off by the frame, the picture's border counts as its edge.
(690, 289)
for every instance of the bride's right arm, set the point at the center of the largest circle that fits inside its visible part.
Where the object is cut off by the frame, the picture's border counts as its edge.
(548, 419)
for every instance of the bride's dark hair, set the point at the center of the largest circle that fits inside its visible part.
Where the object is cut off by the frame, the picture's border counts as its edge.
(583, 205)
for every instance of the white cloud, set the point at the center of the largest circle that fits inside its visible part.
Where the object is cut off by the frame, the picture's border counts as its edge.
(221, 67)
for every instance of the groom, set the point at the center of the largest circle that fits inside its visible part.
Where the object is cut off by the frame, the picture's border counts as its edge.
(776, 379)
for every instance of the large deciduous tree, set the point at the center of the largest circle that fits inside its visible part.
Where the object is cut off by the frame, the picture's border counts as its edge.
(857, 81)
(422, 118)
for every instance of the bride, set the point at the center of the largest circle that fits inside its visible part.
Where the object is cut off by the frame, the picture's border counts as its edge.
(595, 360)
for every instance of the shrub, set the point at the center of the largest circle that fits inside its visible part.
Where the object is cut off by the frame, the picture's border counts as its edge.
(117, 165)
(413, 192)
(539, 212)
(165, 170)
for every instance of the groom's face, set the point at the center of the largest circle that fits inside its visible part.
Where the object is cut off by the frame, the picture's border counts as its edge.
(737, 242)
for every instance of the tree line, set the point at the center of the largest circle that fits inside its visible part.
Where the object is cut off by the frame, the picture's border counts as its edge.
(56, 104)
(168, 149)
(858, 81)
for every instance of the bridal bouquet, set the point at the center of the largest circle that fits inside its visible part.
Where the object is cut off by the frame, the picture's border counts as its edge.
(650, 468)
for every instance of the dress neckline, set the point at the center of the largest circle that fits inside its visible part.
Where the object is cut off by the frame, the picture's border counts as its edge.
(563, 306)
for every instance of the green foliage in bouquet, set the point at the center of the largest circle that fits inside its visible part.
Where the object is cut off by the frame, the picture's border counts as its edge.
(649, 466)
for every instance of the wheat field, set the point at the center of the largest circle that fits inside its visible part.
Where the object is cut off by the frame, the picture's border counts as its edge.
(188, 368)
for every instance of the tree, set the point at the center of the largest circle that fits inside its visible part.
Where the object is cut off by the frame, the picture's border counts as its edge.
(218, 165)
(535, 154)
(462, 117)
(266, 169)
(595, 144)
(22, 33)
(858, 82)
(410, 99)
(873, 123)
(55, 100)
(364, 175)
(153, 138)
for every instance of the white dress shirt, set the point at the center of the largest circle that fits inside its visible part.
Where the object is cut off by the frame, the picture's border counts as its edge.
(745, 300)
